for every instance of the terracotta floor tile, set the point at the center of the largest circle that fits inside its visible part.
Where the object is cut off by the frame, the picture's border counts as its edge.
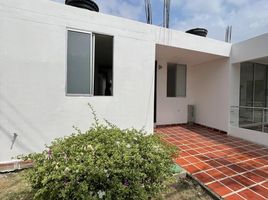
(253, 177)
(223, 161)
(204, 177)
(250, 195)
(192, 159)
(263, 161)
(265, 184)
(183, 154)
(218, 160)
(219, 188)
(202, 157)
(216, 174)
(220, 154)
(203, 166)
(237, 168)
(202, 150)
(226, 171)
(255, 164)
(184, 148)
(261, 173)
(234, 197)
(232, 184)
(191, 169)
(246, 166)
(193, 146)
(260, 190)
(182, 162)
(192, 152)
(209, 149)
(211, 155)
(213, 163)
(243, 180)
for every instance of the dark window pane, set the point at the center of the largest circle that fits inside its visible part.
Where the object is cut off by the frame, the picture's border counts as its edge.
(259, 85)
(176, 80)
(246, 84)
(103, 83)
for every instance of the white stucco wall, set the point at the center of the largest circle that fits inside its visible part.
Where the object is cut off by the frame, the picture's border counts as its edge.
(249, 50)
(210, 93)
(170, 110)
(33, 103)
(207, 89)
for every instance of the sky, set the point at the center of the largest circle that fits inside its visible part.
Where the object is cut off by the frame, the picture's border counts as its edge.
(248, 18)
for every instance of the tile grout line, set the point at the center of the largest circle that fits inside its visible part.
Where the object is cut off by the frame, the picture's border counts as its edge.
(226, 149)
(231, 176)
(218, 146)
(215, 159)
(242, 189)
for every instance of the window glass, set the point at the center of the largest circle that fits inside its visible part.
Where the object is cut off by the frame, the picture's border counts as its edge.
(176, 80)
(79, 63)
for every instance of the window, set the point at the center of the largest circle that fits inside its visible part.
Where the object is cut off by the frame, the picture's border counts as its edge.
(89, 64)
(176, 80)
(103, 65)
(253, 93)
(79, 61)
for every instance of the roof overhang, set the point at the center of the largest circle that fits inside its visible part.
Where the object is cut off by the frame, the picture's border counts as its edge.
(184, 56)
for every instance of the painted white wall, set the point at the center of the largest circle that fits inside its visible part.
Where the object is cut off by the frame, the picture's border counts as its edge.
(33, 103)
(180, 39)
(207, 90)
(170, 110)
(250, 135)
(250, 49)
(210, 93)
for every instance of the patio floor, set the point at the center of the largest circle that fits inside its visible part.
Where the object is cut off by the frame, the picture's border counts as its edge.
(231, 167)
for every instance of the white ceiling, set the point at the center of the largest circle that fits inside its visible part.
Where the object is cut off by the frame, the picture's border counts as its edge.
(183, 56)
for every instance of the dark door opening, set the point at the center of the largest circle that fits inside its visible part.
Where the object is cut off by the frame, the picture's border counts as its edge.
(155, 91)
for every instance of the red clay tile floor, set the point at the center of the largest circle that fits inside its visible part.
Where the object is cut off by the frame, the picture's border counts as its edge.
(232, 168)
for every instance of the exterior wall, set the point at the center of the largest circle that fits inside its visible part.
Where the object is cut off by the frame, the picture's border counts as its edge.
(207, 90)
(251, 49)
(250, 135)
(33, 103)
(173, 38)
(209, 93)
(170, 110)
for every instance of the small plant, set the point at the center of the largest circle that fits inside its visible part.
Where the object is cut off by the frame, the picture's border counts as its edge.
(104, 162)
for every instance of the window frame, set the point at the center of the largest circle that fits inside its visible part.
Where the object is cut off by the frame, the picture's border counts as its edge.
(92, 67)
(186, 69)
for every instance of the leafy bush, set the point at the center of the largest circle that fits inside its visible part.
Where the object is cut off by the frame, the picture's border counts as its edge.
(104, 162)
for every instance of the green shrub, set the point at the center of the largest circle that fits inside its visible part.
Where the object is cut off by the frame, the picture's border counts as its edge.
(104, 162)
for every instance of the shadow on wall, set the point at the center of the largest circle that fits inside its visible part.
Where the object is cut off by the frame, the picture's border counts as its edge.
(17, 143)
(17, 128)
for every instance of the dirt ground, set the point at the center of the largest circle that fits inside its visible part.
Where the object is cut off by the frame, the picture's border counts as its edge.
(15, 186)
(186, 189)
